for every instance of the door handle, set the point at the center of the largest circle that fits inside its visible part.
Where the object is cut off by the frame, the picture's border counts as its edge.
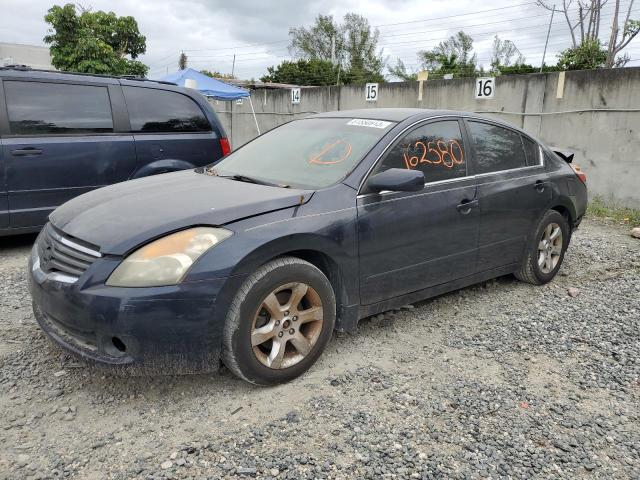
(21, 152)
(466, 206)
(540, 185)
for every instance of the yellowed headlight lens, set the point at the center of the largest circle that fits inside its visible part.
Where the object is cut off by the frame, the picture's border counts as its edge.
(167, 260)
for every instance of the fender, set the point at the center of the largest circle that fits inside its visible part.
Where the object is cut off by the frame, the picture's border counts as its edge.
(331, 257)
(162, 166)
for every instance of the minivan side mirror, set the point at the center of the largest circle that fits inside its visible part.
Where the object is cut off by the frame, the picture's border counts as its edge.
(397, 180)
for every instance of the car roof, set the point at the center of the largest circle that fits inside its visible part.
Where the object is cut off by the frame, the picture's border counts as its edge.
(401, 114)
(391, 114)
(19, 72)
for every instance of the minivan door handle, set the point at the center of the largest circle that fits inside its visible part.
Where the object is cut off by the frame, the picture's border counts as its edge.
(540, 185)
(21, 152)
(466, 206)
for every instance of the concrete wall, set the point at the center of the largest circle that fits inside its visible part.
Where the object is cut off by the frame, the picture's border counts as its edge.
(32, 55)
(606, 142)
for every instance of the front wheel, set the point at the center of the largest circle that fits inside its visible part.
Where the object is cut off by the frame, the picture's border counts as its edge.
(545, 251)
(279, 322)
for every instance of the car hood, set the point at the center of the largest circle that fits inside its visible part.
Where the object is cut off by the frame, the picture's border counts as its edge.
(120, 217)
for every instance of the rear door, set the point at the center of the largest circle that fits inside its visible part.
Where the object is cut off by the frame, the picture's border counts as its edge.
(61, 143)
(513, 191)
(170, 129)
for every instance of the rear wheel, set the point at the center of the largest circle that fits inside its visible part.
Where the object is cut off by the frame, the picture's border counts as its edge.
(546, 249)
(279, 322)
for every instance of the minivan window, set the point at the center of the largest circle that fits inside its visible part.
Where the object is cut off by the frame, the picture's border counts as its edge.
(437, 149)
(40, 108)
(153, 110)
(496, 148)
(532, 151)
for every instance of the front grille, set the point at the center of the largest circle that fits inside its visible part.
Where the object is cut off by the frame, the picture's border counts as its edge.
(63, 254)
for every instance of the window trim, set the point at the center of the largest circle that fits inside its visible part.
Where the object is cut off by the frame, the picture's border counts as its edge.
(473, 146)
(464, 119)
(536, 144)
(142, 132)
(9, 134)
(416, 124)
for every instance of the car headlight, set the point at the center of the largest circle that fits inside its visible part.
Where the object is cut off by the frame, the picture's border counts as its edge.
(166, 261)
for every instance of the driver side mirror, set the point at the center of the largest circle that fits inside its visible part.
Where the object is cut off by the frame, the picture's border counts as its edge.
(397, 180)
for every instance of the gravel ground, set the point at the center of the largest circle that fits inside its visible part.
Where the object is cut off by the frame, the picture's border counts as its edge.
(501, 379)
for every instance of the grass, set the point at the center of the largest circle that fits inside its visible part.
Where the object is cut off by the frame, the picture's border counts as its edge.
(600, 209)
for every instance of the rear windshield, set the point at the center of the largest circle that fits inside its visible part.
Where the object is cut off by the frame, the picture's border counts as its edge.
(311, 153)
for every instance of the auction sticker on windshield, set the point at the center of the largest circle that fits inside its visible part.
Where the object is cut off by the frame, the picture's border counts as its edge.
(361, 122)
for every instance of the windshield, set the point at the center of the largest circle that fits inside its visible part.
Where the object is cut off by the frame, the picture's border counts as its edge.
(311, 153)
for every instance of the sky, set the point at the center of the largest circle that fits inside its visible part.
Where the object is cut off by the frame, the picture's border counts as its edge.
(210, 32)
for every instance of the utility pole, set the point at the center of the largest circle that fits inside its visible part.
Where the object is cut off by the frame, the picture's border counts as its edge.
(333, 50)
(233, 65)
(544, 54)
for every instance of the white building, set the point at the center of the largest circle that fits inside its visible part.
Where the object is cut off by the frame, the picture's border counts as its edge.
(30, 55)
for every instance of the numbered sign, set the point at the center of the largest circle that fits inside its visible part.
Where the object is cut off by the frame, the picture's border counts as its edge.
(485, 87)
(295, 95)
(371, 92)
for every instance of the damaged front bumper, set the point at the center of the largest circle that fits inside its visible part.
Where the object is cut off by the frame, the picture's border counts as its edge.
(157, 330)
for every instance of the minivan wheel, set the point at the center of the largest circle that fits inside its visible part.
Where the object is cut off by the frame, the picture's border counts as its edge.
(545, 251)
(279, 322)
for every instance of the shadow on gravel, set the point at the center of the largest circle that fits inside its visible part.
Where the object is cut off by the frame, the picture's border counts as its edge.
(15, 242)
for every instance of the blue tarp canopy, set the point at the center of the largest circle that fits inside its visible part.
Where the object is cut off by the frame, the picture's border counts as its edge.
(206, 85)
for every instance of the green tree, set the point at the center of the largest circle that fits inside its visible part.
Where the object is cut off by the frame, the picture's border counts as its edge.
(315, 42)
(353, 45)
(589, 54)
(303, 72)
(400, 72)
(94, 42)
(454, 55)
(503, 53)
(216, 74)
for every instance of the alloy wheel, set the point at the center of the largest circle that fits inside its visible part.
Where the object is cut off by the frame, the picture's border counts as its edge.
(550, 248)
(287, 325)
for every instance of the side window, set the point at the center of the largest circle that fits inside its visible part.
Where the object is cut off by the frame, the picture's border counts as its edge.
(38, 108)
(152, 110)
(496, 148)
(532, 151)
(437, 149)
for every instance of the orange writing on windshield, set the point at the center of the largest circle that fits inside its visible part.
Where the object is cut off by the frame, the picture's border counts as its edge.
(439, 152)
(332, 153)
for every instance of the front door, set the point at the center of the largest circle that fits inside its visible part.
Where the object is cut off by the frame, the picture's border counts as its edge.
(61, 144)
(414, 240)
(513, 192)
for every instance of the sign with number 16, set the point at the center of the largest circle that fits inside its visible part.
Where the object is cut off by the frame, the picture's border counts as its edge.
(485, 87)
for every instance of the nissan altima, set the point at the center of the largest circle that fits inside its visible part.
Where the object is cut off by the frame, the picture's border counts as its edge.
(254, 261)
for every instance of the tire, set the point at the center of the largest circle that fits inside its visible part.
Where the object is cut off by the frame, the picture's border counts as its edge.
(531, 270)
(304, 329)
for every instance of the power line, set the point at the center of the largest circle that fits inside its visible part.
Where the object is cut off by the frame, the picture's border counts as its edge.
(455, 16)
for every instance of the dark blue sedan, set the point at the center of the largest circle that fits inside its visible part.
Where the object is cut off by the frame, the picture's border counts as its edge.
(255, 261)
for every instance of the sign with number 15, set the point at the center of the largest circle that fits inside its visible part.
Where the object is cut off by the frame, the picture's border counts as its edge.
(485, 87)
(371, 92)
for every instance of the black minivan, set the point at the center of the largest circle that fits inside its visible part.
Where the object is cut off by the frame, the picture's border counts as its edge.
(64, 134)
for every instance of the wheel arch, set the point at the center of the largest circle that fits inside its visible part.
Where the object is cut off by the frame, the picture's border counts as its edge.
(565, 212)
(162, 166)
(330, 258)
